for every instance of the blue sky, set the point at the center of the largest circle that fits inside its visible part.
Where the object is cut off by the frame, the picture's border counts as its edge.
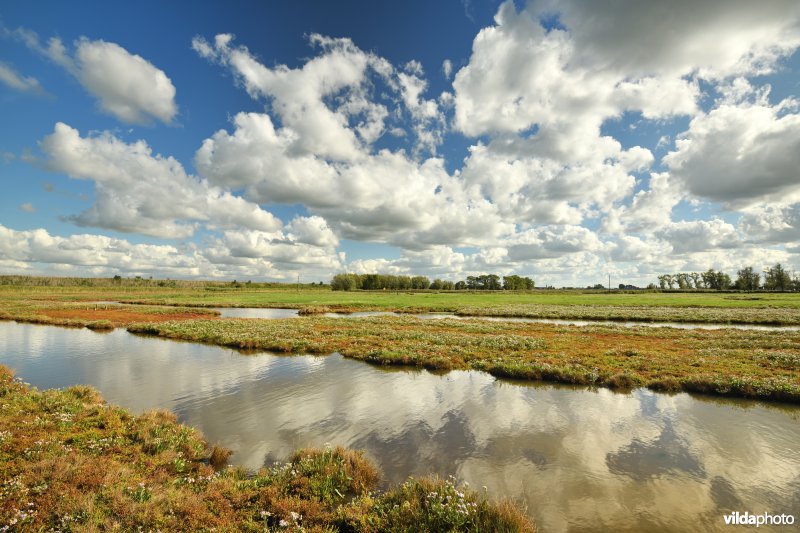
(248, 140)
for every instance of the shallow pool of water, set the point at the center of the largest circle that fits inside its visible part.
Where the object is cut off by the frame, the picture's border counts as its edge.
(256, 312)
(578, 459)
(626, 324)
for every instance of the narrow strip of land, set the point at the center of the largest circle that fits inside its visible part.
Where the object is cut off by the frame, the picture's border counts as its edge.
(754, 364)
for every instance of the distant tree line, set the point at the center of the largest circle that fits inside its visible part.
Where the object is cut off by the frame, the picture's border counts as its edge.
(373, 282)
(376, 282)
(116, 281)
(776, 278)
(518, 283)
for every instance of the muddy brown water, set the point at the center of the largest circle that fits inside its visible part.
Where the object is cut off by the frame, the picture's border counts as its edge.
(576, 459)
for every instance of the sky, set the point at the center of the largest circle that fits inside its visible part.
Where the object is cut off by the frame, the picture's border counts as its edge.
(568, 141)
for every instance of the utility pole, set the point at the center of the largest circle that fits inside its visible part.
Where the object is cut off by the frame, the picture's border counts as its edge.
(609, 283)
(298, 282)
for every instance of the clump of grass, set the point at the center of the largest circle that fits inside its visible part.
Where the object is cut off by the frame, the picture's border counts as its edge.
(100, 325)
(316, 310)
(623, 381)
(667, 384)
(68, 462)
(331, 475)
(85, 395)
(219, 456)
(431, 504)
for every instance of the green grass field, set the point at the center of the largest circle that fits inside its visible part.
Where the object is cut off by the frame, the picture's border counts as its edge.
(293, 296)
(772, 308)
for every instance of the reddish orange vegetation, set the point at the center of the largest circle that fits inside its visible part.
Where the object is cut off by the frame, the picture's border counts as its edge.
(120, 317)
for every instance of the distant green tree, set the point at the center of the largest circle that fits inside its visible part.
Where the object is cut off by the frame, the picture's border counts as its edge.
(747, 279)
(510, 283)
(484, 282)
(708, 278)
(666, 281)
(344, 282)
(718, 281)
(420, 282)
(776, 278)
(517, 283)
(491, 282)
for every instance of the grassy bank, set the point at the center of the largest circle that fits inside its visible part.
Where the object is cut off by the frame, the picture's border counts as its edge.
(70, 462)
(99, 316)
(763, 308)
(707, 315)
(754, 364)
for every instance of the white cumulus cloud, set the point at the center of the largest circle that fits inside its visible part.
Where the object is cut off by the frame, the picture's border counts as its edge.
(139, 192)
(38, 251)
(125, 84)
(741, 154)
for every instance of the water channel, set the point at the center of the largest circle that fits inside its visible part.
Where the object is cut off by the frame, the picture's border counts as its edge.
(578, 459)
(267, 313)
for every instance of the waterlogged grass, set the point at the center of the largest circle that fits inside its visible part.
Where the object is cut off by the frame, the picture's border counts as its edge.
(747, 363)
(69, 462)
